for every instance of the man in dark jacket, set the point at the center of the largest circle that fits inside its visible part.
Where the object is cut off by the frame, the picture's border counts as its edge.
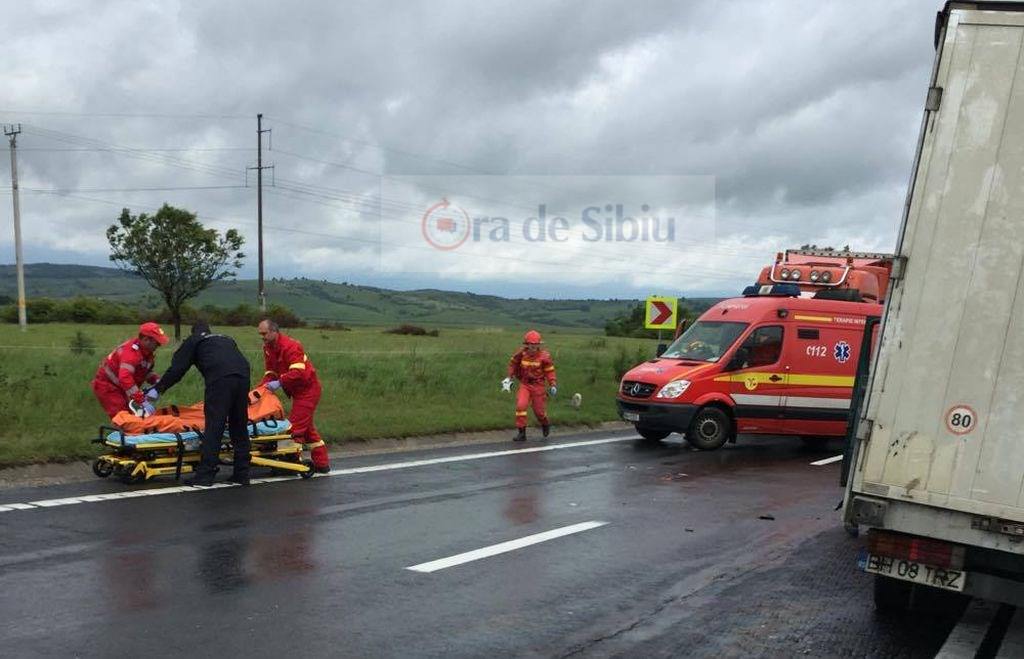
(226, 373)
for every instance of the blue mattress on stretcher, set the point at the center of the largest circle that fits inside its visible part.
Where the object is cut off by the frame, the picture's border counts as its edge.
(192, 439)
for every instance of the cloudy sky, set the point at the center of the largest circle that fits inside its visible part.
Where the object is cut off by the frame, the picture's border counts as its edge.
(756, 125)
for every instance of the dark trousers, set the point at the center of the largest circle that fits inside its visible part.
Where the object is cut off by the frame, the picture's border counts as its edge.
(226, 403)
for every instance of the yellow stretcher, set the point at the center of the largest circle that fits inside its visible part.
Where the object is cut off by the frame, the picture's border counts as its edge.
(137, 458)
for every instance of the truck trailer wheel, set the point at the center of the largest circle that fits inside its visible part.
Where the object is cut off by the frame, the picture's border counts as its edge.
(892, 595)
(710, 428)
(651, 434)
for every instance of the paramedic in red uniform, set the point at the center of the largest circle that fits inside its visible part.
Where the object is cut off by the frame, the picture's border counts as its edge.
(288, 367)
(535, 371)
(123, 372)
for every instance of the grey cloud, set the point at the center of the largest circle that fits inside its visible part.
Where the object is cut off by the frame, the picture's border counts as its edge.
(806, 112)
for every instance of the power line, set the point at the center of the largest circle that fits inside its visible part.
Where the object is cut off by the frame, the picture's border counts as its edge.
(126, 115)
(379, 146)
(319, 194)
(137, 149)
(154, 189)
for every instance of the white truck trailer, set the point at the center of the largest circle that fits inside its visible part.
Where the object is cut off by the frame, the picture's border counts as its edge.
(935, 470)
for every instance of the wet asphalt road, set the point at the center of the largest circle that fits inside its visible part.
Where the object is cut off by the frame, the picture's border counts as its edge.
(685, 564)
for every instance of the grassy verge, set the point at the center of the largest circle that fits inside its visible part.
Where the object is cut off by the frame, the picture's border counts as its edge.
(375, 384)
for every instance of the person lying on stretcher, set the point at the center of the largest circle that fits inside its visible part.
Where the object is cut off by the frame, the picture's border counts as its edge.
(264, 405)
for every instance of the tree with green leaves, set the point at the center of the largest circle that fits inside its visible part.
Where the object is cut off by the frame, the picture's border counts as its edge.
(174, 253)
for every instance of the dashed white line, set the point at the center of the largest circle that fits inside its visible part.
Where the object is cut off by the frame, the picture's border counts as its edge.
(965, 639)
(827, 461)
(183, 489)
(503, 547)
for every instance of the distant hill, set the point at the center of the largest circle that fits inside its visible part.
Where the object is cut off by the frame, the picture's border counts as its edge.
(315, 300)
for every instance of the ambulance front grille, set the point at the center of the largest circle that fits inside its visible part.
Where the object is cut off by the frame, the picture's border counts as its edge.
(637, 389)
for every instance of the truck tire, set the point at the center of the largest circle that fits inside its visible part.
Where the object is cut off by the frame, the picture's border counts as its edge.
(892, 595)
(652, 435)
(710, 429)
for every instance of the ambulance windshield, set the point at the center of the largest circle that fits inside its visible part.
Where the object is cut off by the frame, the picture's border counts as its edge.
(705, 341)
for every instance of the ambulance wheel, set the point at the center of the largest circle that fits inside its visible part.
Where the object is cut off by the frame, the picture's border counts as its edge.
(306, 475)
(102, 468)
(892, 595)
(652, 435)
(709, 430)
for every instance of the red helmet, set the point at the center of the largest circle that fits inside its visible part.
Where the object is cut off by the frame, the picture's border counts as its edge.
(153, 331)
(532, 338)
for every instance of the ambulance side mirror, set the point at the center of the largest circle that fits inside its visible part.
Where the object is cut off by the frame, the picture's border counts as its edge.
(681, 327)
(662, 347)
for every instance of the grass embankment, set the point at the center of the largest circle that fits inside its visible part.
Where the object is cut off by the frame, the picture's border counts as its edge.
(375, 384)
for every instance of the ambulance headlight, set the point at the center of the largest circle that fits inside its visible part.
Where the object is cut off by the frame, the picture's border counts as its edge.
(673, 389)
(814, 276)
(784, 274)
(794, 275)
(826, 276)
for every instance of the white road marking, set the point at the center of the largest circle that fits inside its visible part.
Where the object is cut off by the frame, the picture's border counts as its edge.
(184, 489)
(503, 547)
(827, 461)
(965, 639)
(1012, 644)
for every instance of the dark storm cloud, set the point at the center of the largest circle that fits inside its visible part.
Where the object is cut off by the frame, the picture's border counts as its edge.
(805, 112)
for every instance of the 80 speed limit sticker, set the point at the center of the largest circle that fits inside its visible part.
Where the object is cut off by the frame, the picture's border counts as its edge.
(961, 419)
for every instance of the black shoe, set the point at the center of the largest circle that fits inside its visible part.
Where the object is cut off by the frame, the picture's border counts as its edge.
(546, 429)
(199, 481)
(241, 479)
(520, 436)
(326, 469)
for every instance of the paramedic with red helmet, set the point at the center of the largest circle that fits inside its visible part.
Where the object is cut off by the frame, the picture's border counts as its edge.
(288, 368)
(122, 373)
(534, 369)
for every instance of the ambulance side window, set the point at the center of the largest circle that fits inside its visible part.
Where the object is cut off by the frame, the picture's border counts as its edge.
(762, 347)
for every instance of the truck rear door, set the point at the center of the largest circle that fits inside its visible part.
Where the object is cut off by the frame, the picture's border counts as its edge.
(946, 408)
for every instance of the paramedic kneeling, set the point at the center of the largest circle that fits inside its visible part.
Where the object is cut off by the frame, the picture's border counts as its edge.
(226, 373)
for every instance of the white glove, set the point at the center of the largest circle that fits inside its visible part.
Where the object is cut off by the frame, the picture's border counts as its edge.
(506, 384)
(553, 391)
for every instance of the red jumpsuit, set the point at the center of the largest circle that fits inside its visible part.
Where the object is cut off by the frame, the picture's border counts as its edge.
(535, 373)
(286, 361)
(121, 375)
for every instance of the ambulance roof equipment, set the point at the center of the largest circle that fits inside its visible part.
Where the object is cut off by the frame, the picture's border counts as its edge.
(773, 290)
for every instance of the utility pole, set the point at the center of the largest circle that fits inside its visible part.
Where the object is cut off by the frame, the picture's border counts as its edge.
(12, 132)
(262, 294)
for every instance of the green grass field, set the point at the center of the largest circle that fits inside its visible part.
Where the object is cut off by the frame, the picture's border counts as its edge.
(375, 384)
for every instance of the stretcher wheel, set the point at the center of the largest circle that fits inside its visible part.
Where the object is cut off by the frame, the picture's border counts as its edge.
(309, 470)
(102, 468)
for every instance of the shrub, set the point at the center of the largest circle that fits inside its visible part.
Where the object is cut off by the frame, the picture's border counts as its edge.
(412, 330)
(105, 312)
(332, 325)
(284, 316)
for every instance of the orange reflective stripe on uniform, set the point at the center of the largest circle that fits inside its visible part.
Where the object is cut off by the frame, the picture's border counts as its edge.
(134, 389)
(314, 445)
(523, 413)
(127, 367)
(527, 362)
(548, 369)
(297, 365)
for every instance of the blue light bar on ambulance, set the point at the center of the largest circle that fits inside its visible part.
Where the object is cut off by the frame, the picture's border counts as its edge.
(773, 290)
